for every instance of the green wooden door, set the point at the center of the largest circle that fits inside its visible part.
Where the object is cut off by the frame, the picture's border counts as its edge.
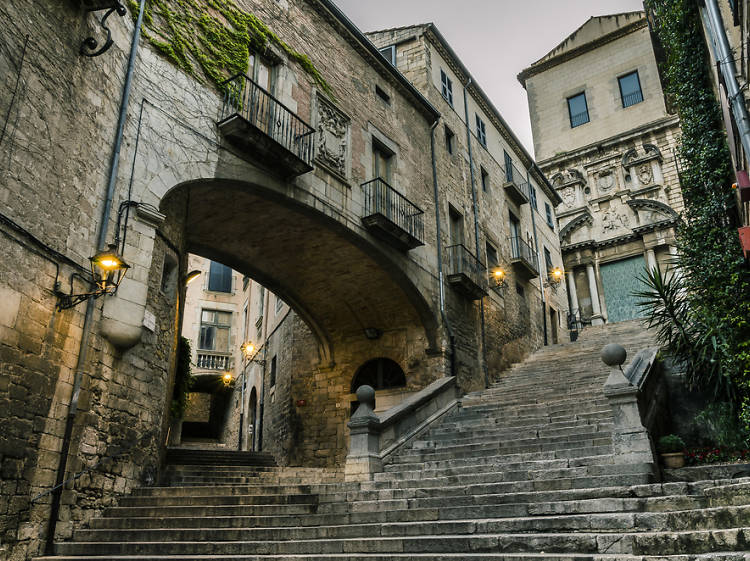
(620, 281)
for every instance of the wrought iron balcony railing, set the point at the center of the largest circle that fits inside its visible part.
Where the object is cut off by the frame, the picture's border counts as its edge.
(392, 216)
(579, 119)
(213, 360)
(465, 272)
(249, 109)
(523, 254)
(516, 186)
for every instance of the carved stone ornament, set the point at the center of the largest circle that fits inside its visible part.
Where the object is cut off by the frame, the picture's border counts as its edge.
(568, 195)
(332, 138)
(605, 180)
(633, 157)
(612, 220)
(645, 173)
(568, 177)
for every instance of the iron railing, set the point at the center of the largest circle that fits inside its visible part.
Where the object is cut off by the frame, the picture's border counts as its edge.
(381, 198)
(579, 119)
(632, 98)
(243, 97)
(212, 360)
(518, 178)
(464, 262)
(519, 249)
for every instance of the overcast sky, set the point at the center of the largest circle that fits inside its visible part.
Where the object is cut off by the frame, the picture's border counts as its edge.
(495, 39)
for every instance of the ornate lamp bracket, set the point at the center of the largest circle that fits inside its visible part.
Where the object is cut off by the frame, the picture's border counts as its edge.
(89, 45)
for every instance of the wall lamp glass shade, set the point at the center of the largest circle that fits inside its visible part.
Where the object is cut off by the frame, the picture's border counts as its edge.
(250, 352)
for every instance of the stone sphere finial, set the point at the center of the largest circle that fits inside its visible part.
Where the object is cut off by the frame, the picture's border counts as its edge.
(366, 394)
(614, 354)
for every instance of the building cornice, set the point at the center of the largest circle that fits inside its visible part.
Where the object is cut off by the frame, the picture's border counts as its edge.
(539, 67)
(654, 126)
(370, 53)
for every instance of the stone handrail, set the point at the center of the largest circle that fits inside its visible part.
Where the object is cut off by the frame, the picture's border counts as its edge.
(373, 439)
(636, 396)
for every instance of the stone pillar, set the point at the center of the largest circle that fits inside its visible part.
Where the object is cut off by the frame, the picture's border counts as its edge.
(571, 283)
(651, 259)
(673, 257)
(630, 441)
(363, 459)
(596, 318)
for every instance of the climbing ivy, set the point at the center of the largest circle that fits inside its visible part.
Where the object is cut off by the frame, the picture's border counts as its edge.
(183, 380)
(215, 35)
(717, 281)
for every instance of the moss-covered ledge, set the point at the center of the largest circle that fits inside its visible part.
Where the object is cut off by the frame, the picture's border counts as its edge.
(212, 39)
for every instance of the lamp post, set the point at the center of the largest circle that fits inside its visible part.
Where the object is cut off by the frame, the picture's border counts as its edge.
(108, 269)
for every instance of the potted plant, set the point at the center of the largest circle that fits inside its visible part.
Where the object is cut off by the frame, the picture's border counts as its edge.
(671, 448)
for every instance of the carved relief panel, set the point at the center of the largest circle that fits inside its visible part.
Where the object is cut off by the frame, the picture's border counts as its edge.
(332, 138)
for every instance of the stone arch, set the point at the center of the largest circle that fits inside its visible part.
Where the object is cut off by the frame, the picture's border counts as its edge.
(238, 222)
(380, 373)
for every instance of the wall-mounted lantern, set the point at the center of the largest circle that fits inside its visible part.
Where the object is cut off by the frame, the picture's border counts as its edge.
(251, 353)
(555, 277)
(191, 276)
(227, 378)
(108, 269)
(498, 278)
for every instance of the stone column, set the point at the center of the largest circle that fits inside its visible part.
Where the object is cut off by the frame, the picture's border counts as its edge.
(651, 259)
(571, 283)
(596, 318)
(363, 459)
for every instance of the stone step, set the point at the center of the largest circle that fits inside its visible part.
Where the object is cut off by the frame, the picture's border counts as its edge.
(720, 556)
(501, 433)
(481, 540)
(702, 519)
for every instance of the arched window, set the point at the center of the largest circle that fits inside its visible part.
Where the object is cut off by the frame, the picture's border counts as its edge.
(380, 373)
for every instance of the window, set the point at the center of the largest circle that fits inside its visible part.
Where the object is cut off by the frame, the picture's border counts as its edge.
(447, 87)
(169, 274)
(578, 110)
(492, 260)
(261, 300)
(214, 333)
(219, 277)
(261, 72)
(457, 226)
(450, 140)
(630, 89)
(279, 304)
(485, 179)
(548, 212)
(244, 322)
(532, 194)
(481, 131)
(508, 166)
(548, 260)
(382, 95)
(389, 53)
(272, 374)
(381, 162)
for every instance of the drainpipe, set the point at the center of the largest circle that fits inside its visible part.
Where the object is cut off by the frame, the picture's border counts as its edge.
(536, 249)
(91, 303)
(725, 57)
(476, 231)
(444, 316)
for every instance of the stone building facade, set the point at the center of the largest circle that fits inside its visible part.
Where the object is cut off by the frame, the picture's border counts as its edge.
(604, 137)
(240, 178)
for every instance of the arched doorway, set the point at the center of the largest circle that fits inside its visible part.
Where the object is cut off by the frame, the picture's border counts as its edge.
(385, 376)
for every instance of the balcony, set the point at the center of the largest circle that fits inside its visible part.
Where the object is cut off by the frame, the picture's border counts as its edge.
(516, 187)
(523, 258)
(391, 217)
(259, 124)
(213, 360)
(466, 273)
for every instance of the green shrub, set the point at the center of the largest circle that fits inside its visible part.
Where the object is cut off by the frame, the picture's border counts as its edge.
(719, 424)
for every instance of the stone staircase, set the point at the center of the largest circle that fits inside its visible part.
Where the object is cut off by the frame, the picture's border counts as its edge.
(523, 470)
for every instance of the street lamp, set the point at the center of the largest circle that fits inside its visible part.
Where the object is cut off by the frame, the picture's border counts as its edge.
(498, 279)
(250, 353)
(555, 276)
(108, 269)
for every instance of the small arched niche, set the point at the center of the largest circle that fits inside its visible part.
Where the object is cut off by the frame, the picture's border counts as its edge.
(387, 378)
